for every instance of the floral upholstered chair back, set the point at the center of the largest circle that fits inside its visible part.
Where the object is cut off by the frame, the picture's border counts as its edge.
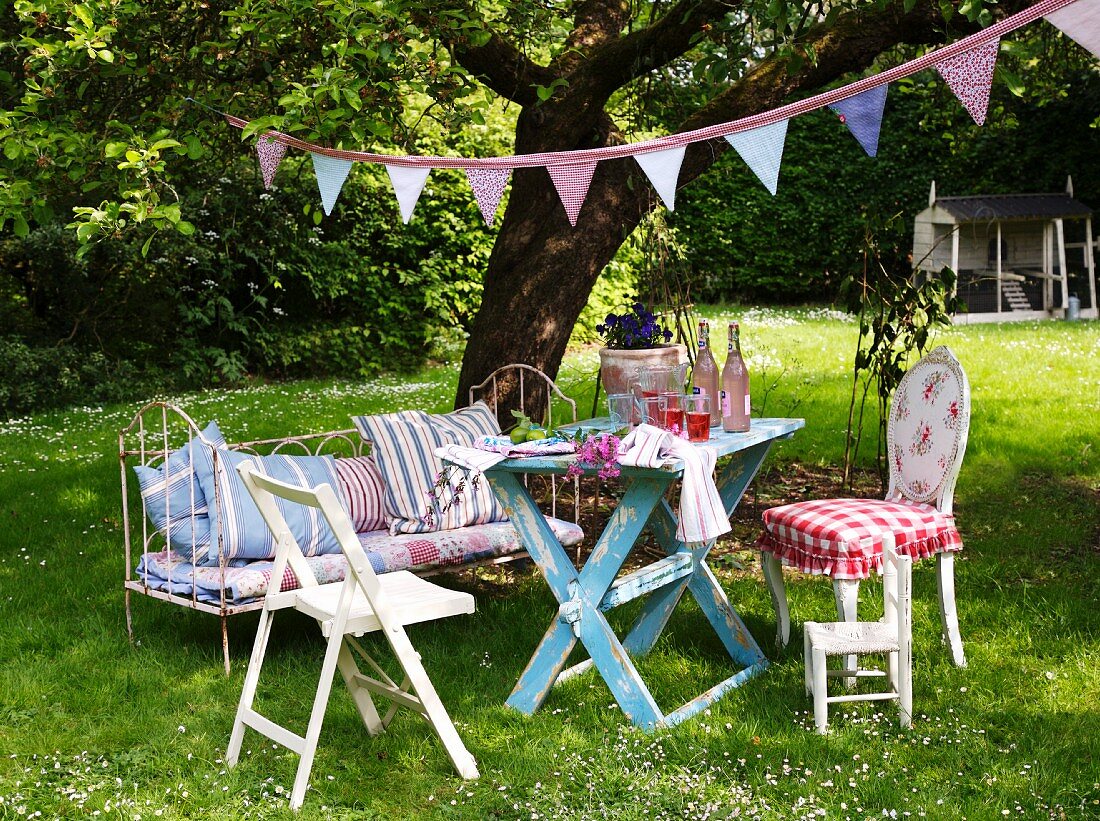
(927, 430)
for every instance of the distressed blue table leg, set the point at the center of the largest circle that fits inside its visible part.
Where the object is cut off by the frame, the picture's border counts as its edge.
(658, 607)
(538, 677)
(611, 659)
(712, 600)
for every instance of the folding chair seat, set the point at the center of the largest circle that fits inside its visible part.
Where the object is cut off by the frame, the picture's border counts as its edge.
(893, 636)
(362, 603)
(844, 538)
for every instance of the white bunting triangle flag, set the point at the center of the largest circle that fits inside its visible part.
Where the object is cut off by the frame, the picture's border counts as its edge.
(331, 173)
(862, 114)
(1081, 21)
(663, 170)
(970, 76)
(571, 182)
(407, 184)
(762, 150)
(270, 154)
(488, 185)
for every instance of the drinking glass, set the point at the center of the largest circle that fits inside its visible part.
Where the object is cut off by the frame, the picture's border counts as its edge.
(623, 410)
(652, 409)
(672, 413)
(697, 416)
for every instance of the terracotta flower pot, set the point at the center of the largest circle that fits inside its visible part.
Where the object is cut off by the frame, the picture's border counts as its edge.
(618, 367)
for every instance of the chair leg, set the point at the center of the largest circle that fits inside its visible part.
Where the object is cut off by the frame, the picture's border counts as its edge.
(807, 659)
(359, 694)
(949, 617)
(248, 690)
(434, 710)
(317, 715)
(846, 593)
(820, 682)
(773, 575)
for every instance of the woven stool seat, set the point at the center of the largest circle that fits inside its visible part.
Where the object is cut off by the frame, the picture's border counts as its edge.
(842, 638)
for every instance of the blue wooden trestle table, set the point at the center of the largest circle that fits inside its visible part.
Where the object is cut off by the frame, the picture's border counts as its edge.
(585, 595)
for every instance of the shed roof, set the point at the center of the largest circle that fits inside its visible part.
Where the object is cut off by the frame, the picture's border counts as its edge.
(1012, 207)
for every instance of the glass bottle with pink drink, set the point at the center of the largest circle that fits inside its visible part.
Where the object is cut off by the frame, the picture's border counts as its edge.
(704, 378)
(735, 385)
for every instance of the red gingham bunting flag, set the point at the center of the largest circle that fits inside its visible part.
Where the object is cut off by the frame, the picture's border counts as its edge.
(1081, 21)
(663, 170)
(331, 173)
(407, 184)
(488, 185)
(970, 76)
(270, 154)
(572, 183)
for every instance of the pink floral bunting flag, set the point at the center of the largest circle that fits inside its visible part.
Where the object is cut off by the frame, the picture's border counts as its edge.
(862, 113)
(663, 170)
(407, 184)
(1081, 21)
(488, 185)
(571, 182)
(762, 150)
(331, 173)
(970, 76)
(270, 154)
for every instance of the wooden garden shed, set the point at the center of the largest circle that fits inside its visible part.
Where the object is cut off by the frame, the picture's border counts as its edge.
(1017, 256)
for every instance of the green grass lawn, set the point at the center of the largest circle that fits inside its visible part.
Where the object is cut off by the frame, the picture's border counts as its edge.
(91, 725)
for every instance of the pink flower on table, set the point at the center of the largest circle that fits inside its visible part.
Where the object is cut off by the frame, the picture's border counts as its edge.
(600, 452)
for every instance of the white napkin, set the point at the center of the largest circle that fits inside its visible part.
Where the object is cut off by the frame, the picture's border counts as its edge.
(469, 458)
(702, 515)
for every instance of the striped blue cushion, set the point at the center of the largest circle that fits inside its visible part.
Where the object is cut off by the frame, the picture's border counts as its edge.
(403, 444)
(171, 490)
(245, 535)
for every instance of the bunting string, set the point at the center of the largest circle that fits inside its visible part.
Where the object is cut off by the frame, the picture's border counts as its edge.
(966, 66)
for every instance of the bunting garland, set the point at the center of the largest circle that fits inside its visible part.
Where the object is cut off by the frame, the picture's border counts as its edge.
(270, 154)
(488, 185)
(762, 150)
(970, 76)
(1081, 22)
(663, 170)
(407, 184)
(863, 116)
(572, 182)
(967, 66)
(331, 173)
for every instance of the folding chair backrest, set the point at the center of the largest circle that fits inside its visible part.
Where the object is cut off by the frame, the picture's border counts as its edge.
(927, 430)
(264, 489)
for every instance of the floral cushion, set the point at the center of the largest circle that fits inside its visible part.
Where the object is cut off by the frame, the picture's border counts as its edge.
(928, 421)
(243, 582)
(843, 538)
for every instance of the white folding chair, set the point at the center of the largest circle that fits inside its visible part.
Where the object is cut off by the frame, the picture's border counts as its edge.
(362, 603)
(893, 635)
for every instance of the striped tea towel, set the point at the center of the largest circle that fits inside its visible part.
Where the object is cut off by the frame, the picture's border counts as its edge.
(702, 516)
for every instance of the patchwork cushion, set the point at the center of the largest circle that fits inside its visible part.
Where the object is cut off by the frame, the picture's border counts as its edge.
(363, 493)
(173, 497)
(245, 534)
(243, 582)
(404, 444)
(842, 538)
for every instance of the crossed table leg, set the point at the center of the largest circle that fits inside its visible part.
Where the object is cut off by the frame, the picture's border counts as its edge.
(584, 596)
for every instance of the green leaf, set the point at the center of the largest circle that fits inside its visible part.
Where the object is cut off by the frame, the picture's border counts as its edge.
(194, 147)
(12, 149)
(114, 150)
(145, 247)
(186, 228)
(106, 55)
(20, 226)
(85, 231)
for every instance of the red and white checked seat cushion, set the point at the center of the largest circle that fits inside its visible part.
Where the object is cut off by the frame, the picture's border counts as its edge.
(842, 538)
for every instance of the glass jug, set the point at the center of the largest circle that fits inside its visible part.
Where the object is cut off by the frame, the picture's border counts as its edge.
(661, 380)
